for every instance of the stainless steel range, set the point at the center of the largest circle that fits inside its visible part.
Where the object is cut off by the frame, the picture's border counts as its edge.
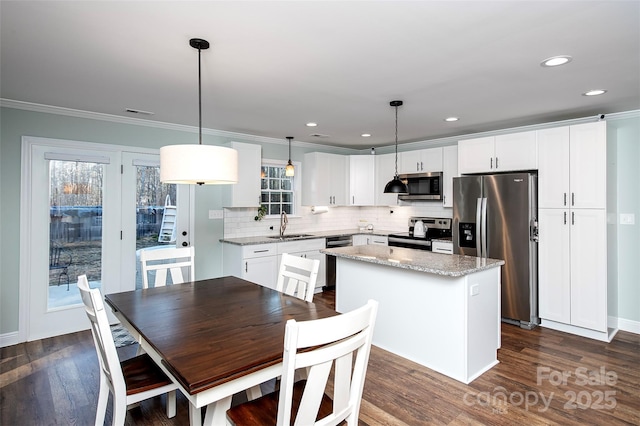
(422, 230)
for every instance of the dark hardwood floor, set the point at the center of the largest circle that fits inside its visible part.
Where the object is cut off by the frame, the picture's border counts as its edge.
(544, 377)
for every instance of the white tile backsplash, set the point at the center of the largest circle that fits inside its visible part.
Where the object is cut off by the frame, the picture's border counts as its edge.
(239, 222)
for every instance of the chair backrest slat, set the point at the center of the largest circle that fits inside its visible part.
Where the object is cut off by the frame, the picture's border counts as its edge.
(172, 259)
(297, 276)
(102, 337)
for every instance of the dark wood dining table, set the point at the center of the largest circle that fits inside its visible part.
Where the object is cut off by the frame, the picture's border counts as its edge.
(213, 337)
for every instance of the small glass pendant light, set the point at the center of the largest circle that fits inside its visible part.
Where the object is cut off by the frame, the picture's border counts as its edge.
(395, 185)
(289, 170)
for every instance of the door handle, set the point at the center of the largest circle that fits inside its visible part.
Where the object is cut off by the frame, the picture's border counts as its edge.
(484, 227)
(478, 226)
(185, 244)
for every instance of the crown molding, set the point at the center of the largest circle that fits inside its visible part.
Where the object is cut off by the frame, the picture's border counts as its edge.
(69, 112)
(408, 146)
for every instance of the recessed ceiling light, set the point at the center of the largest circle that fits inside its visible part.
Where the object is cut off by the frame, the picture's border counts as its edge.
(554, 61)
(312, 124)
(451, 119)
(365, 135)
(594, 92)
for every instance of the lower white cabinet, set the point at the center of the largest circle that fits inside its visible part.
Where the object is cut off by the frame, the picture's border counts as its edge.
(572, 271)
(256, 263)
(363, 240)
(259, 263)
(309, 249)
(444, 247)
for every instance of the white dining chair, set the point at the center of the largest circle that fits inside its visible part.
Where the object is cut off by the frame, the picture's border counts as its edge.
(129, 381)
(334, 340)
(297, 276)
(169, 259)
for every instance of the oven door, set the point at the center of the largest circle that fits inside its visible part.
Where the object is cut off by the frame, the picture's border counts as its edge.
(411, 243)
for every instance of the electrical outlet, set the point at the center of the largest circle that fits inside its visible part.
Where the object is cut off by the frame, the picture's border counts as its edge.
(627, 219)
(216, 214)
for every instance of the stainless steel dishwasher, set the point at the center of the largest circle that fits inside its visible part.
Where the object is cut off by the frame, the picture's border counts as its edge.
(333, 242)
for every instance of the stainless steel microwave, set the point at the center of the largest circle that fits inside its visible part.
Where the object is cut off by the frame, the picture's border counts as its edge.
(422, 186)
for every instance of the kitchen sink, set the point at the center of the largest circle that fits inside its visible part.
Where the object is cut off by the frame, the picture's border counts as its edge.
(291, 237)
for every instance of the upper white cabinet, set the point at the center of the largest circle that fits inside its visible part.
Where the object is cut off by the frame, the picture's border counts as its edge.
(420, 161)
(516, 151)
(449, 171)
(245, 193)
(384, 170)
(361, 182)
(572, 166)
(324, 179)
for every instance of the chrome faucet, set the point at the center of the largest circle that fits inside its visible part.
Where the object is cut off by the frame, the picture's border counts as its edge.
(283, 223)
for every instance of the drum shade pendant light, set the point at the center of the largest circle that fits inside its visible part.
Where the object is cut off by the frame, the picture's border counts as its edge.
(395, 185)
(198, 164)
(289, 170)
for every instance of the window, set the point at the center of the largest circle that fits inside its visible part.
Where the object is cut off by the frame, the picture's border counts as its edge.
(277, 189)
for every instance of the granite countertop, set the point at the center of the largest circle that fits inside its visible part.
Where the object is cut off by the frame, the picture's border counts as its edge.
(266, 239)
(452, 265)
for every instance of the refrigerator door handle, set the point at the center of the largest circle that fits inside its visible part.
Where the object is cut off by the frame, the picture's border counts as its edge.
(484, 227)
(478, 227)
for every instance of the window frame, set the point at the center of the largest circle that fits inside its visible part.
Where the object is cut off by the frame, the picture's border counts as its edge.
(296, 190)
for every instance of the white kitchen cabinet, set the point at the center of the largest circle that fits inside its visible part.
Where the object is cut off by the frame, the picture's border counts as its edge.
(510, 152)
(449, 171)
(361, 182)
(384, 171)
(572, 166)
(420, 161)
(256, 263)
(363, 240)
(324, 179)
(573, 268)
(309, 249)
(245, 193)
(443, 247)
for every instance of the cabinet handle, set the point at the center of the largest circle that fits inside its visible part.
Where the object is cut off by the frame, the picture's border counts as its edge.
(417, 166)
(491, 163)
(353, 199)
(421, 166)
(246, 266)
(261, 251)
(444, 199)
(565, 199)
(565, 218)
(496, 163)
(573, 199)
(573, 218)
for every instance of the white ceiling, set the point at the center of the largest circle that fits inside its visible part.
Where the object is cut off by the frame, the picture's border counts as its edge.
(273, 66)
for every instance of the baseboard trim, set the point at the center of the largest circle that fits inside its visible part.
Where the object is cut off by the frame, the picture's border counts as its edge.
(629, 325)
(9, 339)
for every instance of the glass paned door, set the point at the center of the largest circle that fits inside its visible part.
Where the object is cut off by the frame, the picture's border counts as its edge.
(154, 215)
(70, 227)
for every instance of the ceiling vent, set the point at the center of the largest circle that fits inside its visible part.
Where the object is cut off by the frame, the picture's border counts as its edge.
(139, 111)
(319, 135)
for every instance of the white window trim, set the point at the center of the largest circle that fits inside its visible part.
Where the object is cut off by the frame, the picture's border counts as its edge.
(297, 185)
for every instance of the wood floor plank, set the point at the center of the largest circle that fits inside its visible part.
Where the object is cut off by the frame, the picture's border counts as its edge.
(55, 381)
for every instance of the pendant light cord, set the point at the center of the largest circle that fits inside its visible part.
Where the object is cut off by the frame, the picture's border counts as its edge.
(200, 98)
(396, 140)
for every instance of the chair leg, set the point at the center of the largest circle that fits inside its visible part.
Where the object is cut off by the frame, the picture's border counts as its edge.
(103, 398)
(254, 393)
(119, 411)
(171, 404)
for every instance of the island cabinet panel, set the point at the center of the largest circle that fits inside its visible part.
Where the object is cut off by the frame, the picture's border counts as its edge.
(450, 324)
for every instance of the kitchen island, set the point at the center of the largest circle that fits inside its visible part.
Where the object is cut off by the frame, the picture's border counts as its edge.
(441, 311)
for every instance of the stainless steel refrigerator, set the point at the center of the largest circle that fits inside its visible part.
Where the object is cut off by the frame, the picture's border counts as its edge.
(495, 216)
